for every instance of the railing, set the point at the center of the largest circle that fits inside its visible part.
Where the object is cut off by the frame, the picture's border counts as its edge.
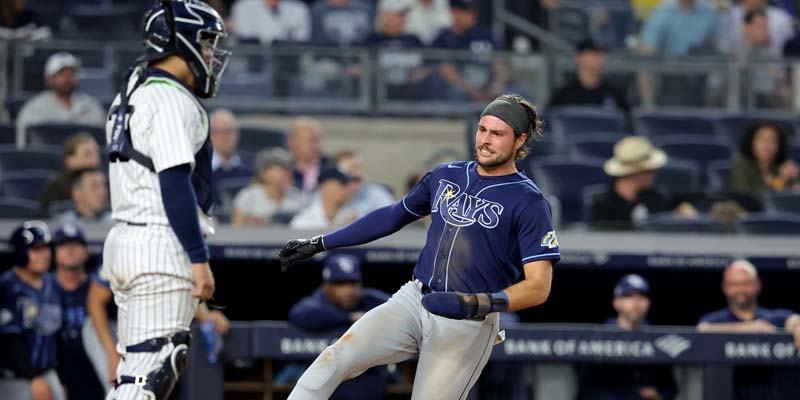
(303, 78)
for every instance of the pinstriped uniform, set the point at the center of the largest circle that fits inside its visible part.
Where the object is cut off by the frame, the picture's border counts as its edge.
(148, 269)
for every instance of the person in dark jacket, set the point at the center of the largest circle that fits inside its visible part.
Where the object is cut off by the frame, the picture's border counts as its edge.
(339, 302)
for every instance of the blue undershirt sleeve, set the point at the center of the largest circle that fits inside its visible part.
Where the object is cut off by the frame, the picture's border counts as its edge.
(180, 204)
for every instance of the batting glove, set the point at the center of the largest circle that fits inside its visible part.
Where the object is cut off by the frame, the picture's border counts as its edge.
(457, 305)
(299, 249)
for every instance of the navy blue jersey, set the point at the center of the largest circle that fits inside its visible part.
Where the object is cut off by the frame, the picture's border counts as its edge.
(34, 314)
(317, 313)
(483, 228)
(775, 316)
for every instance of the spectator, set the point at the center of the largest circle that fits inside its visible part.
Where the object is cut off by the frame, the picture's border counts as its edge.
(305, 145)
(781, 27)
(589, 87)
(226, 161)
(620, 381)
(763, 162)
(427, 18)
(337, 304)
(271, 20)
(479, 76)
(71, 256)
(80, 152)
(341, 22)
(61, 102)
(271, 191)
(327, 210)
(680, 27)
(30, 307)
(741, 287)
(15, 14)
(367, 196)
(631, 196)
(766, 83)
(400, 62)
(89, 198)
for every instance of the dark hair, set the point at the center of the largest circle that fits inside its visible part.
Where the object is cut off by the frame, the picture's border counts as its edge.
(746, 143)
(752, 14)
(535, 128)
(76, 177)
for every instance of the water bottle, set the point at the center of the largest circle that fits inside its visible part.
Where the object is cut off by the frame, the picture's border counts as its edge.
(213, 341)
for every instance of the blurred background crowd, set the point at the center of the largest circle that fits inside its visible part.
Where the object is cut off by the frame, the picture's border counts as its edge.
(660, 116)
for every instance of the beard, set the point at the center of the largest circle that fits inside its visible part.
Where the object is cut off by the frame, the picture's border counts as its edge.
(747, 304)
(65, 90)
(496, 161)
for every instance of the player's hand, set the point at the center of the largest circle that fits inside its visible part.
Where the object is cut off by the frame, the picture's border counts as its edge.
(762, 326)
(796, 334)
(203, 281)
(40, 390)
(113, 362)
(457, 305)
(299, 249)
(221, 323)
(649, 393)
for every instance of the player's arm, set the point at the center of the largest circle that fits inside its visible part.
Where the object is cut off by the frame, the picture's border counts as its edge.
(534, 289)
(793, 325)
(220, 321)
(375, 225)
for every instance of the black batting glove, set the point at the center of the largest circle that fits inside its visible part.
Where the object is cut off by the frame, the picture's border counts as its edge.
(299, 249)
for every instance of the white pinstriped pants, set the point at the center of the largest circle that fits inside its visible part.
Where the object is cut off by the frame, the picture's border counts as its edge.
(452, 353)
(151, 278)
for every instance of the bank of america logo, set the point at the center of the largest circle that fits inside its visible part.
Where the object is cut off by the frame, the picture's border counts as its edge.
(673, 345)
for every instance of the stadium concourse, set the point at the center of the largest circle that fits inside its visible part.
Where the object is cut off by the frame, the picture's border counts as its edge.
(668, 158)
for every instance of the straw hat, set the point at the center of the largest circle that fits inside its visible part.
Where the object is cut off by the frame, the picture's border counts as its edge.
(634, 154)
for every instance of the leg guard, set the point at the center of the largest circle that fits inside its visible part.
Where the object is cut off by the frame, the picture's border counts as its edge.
(172, 354)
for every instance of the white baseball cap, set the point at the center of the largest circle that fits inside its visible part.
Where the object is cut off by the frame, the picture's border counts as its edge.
(59, 61)
(395, 6)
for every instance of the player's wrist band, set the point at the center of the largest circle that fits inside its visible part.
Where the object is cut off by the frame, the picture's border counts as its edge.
(499, 301)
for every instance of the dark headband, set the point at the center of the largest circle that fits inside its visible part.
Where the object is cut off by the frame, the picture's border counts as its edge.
(510, 112)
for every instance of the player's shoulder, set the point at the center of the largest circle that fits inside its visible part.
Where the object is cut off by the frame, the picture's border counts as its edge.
(527, 189)
(718, 316)
(163, 91)
(8, 277)
(452, 166)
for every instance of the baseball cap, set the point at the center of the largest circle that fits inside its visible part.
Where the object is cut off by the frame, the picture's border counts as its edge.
(468, 4)
(69, 232)
(341, 267)
(274, 156)
(59, 61)
(630, 284)
(588, 45)
(395, 6)
(333, 172)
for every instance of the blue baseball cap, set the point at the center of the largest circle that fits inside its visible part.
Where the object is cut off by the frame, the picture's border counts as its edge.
(630, 284)
(69, 232)
(341, 267)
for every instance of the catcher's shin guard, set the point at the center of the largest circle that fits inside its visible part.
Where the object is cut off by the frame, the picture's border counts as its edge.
(159, 382)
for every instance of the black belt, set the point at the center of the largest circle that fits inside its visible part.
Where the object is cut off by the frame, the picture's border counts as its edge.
(133, 223)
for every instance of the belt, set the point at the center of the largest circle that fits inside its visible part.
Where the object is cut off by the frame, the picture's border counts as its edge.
(133, 223)
(423, 287)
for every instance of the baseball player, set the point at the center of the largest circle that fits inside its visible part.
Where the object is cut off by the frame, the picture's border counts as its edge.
(30, 318)
(160, 177)
(490, 248)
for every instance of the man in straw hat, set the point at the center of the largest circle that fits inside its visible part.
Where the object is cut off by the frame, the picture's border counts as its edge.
(631, 196)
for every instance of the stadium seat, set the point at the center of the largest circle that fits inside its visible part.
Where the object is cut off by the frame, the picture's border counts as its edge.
(54, 134)
(12, 159)
(14, 104)
(674, 122)
(253, 139)
(226, 190)
(13, 208)
(25, 184)
(776, 224)
(794, 152)
(699, 149)
(733, 126)
(670, 223)
(106, 21)
(568, 121)
(594, 145)
(8, 134)
(565, 180)
(782, 202)
(679, 176)
(58, 207)
(590, 194)
(717, 174)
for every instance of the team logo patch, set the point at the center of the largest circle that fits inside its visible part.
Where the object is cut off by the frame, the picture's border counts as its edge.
(550, 240)
(462, 209)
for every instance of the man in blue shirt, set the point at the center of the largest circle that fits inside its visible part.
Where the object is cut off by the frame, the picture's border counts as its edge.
(489, 249)
(30, 318)
(741, 286)
(478, 76)
(75, 369)
(621, 381)
(337, 304)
